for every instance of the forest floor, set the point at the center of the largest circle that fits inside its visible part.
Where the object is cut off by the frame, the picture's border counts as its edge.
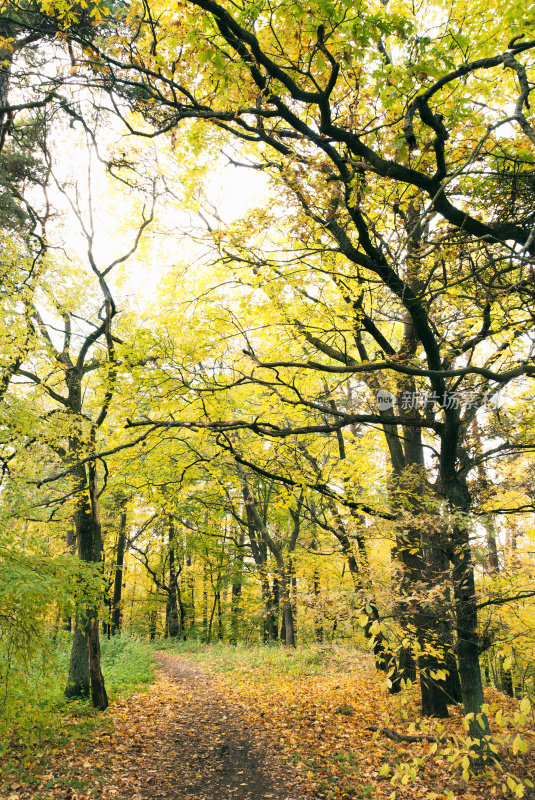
(266, 727)
(180, 740)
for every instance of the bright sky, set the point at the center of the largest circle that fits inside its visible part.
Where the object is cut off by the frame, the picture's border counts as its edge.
(116, 211)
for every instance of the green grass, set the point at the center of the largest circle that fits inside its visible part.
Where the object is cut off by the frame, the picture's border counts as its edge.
(263, 660)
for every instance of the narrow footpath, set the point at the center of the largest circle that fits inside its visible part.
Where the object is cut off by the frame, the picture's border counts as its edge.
(187, 742)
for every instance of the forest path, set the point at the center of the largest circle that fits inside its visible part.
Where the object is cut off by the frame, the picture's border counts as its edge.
(202, 748)
(181, 738)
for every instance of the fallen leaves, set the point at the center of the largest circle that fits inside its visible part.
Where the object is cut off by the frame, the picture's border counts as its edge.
(332, 723)
(180, 735)
(234, 737)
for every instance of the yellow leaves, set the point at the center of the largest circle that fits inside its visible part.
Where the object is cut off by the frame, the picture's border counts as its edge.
(514, 786)
(525, 705)
(519, 745)
(69, 13)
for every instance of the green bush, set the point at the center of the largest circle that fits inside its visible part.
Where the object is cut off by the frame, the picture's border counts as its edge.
(126, 663)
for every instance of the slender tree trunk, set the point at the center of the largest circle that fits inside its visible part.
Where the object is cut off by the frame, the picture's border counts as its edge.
(318, 624)
(271, 614)
(219, 618)
(274, 603)
(282, 581)
(190, 593)
(211, 620)
(98, 689)
(493, 561)
(205, 604)
(237, 578)
(316, 586)
(175, 618)
(293, 596)
(116, 615)
(505, 679)
(153, 617)
(287, 633)
(270, 602)
(71, 548)
(167, 614)
(289, 628)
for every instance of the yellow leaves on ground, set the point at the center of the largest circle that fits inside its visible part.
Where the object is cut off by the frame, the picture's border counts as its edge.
(330, 725)
(325, 721)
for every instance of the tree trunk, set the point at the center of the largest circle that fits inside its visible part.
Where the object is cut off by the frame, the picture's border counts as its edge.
(407, 665)
(287, 613)
(190, 594)
(281, 581)
(71, 548)
(153, 617)
(425, 597)
(425, 614)
(211, 620)
(505, 679)
(219, 618)
(205, 604)
(270, 602)
(85, 646)
(98, 689)
(468, 642)
(78, 681)
(316, 587)
(293, 595)
(316, 583)
(116, 615)
(271, 610)
(237, 578)
(176, 609)
(493, 561)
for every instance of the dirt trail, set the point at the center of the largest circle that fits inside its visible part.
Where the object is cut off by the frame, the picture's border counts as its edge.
(181, 739)
(208, 751)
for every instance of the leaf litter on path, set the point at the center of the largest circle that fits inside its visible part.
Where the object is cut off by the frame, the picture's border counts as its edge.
(180, 740)
(195, 735)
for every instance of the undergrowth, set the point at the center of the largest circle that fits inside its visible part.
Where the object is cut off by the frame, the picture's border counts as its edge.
(35, 712)
(262, 661)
